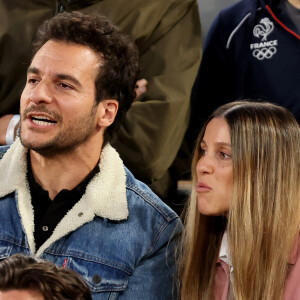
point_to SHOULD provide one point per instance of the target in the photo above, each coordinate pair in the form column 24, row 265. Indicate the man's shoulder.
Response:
column 232, row 24
column 140, row 196
column 238, row 10
column 234, row 15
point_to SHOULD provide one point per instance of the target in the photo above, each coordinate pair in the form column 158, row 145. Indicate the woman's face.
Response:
column 214, row 170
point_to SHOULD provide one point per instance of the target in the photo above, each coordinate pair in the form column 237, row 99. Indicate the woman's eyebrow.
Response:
column 223, row 144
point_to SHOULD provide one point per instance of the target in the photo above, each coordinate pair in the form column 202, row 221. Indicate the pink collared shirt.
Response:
column 292, row 286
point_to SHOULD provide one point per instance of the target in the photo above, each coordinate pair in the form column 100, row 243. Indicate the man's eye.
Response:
column 65, row 86
column 32, row 81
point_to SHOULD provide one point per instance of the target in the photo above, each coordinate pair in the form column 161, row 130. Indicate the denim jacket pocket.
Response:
column 105, row 278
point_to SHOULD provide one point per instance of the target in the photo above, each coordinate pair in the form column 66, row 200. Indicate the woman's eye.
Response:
column 225, row 155
column 203, row 151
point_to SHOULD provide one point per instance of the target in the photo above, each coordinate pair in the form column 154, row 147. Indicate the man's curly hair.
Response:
column 119, row 72
column 20, row 272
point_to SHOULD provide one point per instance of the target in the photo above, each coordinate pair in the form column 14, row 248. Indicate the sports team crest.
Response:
column 265, row 49
column 263, row 29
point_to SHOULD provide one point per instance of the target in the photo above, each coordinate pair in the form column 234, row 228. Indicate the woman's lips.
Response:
column 203, row 187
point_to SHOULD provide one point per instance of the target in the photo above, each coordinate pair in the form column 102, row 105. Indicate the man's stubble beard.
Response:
column 68, row 138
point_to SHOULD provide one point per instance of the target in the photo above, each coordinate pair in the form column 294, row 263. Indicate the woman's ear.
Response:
column 107, row 111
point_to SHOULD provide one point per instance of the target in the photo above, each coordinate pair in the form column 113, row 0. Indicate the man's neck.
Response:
column 64, row 171
column 295, row 3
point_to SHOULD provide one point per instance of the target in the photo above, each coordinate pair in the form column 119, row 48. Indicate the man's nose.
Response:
column 41, row 93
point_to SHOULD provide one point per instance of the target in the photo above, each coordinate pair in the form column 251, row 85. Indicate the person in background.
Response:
column 28, row 278
column 252, row 51
column 241, row 238
column 65, row 194
column 167, row 34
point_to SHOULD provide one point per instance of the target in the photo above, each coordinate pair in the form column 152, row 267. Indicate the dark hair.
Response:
column 54, row 283
column 118, row 75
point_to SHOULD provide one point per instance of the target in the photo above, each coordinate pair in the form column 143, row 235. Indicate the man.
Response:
column 167, row 34
column 252, row 51
column 65, row 194
column 27, row 278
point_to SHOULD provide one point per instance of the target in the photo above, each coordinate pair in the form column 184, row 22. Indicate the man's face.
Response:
column 21, row 295
column 58, row 110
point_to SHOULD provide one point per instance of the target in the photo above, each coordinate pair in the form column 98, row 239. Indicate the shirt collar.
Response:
column 225, row 256
column 76, row 192
column 224, row 253
column 105, row 195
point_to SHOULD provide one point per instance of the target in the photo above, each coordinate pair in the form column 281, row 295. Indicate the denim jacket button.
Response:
column 96, row 279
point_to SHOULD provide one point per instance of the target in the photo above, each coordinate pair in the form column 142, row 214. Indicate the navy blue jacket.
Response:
column 252, row 51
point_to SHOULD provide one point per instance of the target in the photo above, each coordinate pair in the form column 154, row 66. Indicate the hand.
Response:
column 4, row 121
column 141, row 88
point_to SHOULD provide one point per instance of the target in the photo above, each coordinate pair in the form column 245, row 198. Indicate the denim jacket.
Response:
column 119, row 237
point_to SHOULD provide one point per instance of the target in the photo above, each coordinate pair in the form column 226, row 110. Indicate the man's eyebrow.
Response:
column 33, row 70
column 70, row 78
column 36, row 71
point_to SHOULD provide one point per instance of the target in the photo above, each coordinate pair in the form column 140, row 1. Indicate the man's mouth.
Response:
column 42, row 120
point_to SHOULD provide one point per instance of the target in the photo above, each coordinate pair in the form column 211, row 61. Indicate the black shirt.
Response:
column 48, row 213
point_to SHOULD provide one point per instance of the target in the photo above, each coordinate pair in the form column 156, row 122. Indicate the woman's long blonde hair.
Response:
column 264, row 214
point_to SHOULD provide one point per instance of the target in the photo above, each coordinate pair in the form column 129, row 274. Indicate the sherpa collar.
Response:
column 105, row 195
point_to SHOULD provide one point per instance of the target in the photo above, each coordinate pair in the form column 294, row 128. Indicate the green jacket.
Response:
column 167, row 33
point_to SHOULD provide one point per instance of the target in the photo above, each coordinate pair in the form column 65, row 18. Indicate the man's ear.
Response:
column 107, row 110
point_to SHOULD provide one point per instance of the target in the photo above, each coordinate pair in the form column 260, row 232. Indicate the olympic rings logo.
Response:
column 263, row 53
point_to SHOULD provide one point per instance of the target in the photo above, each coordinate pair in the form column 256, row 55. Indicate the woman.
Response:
column 242, row 222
